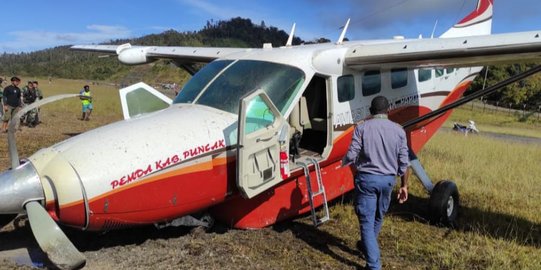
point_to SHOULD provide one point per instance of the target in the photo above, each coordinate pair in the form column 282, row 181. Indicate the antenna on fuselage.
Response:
column 341, row 38
column 289, row 42
column 434, row 29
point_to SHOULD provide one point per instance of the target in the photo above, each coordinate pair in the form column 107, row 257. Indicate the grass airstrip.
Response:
column 499, row 184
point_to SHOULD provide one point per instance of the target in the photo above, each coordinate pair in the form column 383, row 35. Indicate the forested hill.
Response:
column 62, row 63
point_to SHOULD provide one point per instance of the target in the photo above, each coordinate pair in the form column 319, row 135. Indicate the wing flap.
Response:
column 442, row 52
column 109, row 49
column 151, row 53
column 192, row 54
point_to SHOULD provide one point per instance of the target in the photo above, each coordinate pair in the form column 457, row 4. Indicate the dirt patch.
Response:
column 291, row 245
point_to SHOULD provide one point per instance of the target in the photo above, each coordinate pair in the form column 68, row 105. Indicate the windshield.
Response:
column 221, row 84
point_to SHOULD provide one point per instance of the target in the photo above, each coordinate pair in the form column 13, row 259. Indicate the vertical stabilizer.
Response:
column 478, row 22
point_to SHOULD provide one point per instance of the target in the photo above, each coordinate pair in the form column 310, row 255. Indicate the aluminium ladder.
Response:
column 319, row 192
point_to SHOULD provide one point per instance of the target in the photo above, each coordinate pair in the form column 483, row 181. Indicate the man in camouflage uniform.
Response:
column 39, row 95
column 29, row 97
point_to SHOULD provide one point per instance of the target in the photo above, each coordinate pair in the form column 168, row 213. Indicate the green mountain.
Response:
column 62, row 63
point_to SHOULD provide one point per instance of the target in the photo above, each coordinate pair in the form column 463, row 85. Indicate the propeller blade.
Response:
column 52, row 240
column 12, row 144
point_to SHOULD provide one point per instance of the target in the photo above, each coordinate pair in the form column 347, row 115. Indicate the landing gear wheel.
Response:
column 444, row 203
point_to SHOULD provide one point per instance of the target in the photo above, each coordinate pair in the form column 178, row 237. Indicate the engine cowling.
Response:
column 134, row 56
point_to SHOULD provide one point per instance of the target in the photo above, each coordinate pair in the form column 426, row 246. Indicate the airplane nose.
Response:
column 19, row 186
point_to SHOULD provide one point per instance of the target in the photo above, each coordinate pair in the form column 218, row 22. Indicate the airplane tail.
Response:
column 479, row 22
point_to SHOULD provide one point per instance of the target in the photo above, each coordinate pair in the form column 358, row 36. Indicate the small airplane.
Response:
column 255, row 137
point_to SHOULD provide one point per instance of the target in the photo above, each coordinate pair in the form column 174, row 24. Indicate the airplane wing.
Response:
column 134, row 55
column 414, row 53
column 442, row 52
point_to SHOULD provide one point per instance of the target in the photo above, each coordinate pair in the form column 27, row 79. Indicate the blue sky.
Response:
column 28, row 25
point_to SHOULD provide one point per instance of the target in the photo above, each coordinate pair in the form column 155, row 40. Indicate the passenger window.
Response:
column 346, row 88
column 371, row 82
column 439, row 72
column 399, row 77
column 450, row 70
column 424, row 74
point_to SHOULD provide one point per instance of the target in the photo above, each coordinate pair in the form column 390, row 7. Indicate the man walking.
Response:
column 379, row 152
column 12, row 102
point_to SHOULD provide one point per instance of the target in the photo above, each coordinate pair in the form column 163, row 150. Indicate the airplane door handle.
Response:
column 266, row 139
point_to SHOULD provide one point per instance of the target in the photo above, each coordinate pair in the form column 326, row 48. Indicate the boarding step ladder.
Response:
column 313, row 194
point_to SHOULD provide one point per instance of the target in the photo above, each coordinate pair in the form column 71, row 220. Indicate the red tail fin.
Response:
column 478, row 22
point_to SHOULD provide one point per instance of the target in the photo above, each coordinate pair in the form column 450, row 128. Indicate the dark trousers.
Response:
column 372, row 199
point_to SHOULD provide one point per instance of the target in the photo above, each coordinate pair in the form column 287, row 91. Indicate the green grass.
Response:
column 498, row 121
column 499, row 226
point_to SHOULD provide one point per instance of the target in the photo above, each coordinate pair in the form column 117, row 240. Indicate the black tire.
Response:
column 444, row 203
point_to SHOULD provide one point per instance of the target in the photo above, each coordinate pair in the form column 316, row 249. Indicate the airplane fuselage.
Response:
column 182, row 160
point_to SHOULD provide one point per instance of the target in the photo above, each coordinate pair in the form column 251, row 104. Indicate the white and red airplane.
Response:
column 255, row 137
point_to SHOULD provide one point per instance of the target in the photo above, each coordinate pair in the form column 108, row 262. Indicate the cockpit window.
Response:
column 200, row 80
column 223, row 90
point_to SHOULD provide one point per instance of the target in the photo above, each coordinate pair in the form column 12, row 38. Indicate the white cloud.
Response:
column 215, row 10
column 24, row 41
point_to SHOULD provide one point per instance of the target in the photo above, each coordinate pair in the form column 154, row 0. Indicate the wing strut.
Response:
column 473, row 96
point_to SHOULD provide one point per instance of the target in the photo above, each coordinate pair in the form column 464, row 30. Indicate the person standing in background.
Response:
column 86, row 100
column 12, row 100
column 1, row 94
column 29, row 97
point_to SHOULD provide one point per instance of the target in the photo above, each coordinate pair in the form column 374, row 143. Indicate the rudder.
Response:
column 478, row 22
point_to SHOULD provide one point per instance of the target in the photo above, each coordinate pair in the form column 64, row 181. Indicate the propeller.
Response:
column 12, row 144
column 52, row 240
column 21, row 186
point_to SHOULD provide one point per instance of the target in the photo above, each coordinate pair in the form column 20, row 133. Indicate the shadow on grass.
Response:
column 22, row 245
column 94, row 241
column 71, row 134
column 22, row 237
column 320, row 240
column 495, row 225
column 525, row 116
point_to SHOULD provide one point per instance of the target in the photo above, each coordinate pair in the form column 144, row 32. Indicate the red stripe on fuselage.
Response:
column 161, row 197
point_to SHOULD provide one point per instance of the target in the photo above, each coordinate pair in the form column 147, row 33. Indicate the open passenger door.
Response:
column 261, row 137
column 140, row 98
